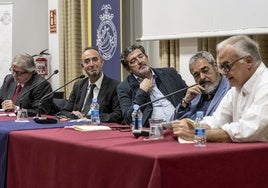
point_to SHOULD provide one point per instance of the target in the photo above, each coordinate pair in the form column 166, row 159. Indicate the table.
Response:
column 7, row 124
column 66, row 158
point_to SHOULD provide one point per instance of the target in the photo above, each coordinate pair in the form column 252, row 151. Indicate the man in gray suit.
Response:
column 16, row 86
column 145, row 84
column 207, row 96
column 104, row 90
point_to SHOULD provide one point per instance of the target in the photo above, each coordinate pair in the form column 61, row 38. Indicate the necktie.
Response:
column 16, row 93
column 88, row 99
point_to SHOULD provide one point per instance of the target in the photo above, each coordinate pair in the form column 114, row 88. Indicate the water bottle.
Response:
column 95, row 113
column 200, row 139
column 136, row 118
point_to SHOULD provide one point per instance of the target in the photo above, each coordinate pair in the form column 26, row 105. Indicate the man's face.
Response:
column 92, row 63
column 234, row 67
column 201, row 69
column 20, row 75
column 138, row 63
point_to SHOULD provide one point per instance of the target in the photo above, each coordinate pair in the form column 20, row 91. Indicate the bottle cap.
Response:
column 136, row 106
column 94, row 100
column 199, row 114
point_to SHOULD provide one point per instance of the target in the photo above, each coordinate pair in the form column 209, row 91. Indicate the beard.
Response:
column 210, row 88
column 142, row 72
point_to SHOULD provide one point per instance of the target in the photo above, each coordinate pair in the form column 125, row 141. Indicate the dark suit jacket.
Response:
column 109, row 106
column 129, row 92
column 30, row 100
column 190, row 111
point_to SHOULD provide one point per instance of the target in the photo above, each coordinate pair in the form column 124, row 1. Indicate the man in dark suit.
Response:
column 146, row 84
column 16, row 85
column 207, row 96
column 104, row 90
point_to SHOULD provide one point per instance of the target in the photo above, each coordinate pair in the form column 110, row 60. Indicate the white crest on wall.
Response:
column 106, row 34
column 5, row 18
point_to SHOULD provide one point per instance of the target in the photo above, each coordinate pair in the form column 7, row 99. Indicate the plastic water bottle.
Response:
column 200, row 139
column 95, row 113
column 136, row 118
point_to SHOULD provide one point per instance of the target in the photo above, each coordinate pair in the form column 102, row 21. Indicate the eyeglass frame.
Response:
column 18, row 73
column 228, row 66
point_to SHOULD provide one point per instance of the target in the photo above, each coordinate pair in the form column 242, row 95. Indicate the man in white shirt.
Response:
column 242, row 114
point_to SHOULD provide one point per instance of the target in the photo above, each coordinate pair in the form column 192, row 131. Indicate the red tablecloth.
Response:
column 65, row 158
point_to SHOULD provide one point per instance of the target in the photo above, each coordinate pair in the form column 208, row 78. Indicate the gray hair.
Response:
column 202, row 55
column 243, row 45
column 25, row 61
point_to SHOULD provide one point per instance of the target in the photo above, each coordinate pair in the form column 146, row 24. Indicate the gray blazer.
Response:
column 108, row 100
column 30, row 100
column 129, row 93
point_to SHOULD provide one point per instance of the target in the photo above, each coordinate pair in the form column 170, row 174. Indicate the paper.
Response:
column 80, row 120
column 8, row 114
column 182, row 141
column 89, row 127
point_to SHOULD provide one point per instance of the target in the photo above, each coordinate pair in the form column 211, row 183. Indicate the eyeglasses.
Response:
column 226, row 66
column 18, row 73
column 135, row 59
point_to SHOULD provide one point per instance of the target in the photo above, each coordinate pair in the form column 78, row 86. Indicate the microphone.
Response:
column 146, row 132
column 173, row 93
column 46, row 120
column 34, row 86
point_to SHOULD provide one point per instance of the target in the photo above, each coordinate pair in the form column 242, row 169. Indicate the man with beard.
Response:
column 242, row 113
column 103, row 88
column 145, row 84
column 205, row 97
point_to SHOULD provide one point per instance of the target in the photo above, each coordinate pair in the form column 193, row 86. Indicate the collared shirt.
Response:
column 98, row 85
column 243, row 113
column 162, row 109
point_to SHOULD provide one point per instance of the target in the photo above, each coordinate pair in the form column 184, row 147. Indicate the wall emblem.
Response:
column 106, row 34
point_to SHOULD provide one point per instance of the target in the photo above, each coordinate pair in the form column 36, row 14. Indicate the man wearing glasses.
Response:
column 145, row 84
column 242, row 114
column 14, row 91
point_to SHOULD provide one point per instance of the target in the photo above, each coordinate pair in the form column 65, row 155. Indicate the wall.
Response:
column 53, row 45
column 30, row 26
column 5, row 38
column 30, row 32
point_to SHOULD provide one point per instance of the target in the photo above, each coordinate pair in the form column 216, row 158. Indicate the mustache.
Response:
column 202, row 82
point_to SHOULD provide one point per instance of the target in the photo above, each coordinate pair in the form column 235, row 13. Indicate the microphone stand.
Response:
column 170, row 94
column 46, row 120
column 34, row 86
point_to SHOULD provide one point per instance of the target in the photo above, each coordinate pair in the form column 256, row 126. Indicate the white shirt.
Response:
column 96, row 90
column 98, row 85
column 162, row 109
column 243, row 113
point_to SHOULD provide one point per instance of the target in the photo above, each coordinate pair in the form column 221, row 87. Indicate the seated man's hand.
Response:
column 146, row 85
column 78, row 114
column 8, row 105
column 192, row 92
column 183, row 129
